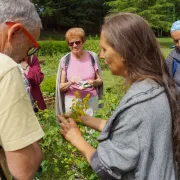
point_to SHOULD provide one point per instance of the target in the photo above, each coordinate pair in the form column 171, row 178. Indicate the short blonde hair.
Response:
column 74, row 33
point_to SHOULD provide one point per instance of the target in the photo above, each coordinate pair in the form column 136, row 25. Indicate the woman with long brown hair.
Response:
column 141, row 140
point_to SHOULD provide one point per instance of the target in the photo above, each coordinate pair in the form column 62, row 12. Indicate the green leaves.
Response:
column 69, row 13
column 159, row 13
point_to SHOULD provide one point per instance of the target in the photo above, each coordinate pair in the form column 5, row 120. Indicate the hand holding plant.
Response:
column 69, row 130
column 79, row 107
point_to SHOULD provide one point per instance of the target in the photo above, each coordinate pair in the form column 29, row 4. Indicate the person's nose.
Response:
column 178, row 43
column 74, row 44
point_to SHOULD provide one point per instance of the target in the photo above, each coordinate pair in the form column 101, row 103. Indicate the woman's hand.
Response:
column 75, row 79
column 69, row 130
column 91, row 82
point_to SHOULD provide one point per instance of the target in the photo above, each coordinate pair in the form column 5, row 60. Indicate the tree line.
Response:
column 89, row 14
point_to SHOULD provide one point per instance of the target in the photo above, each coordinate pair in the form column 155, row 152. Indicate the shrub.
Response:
column 48, row 86
column 92, row 45
column 61, row 159
column 49, row 48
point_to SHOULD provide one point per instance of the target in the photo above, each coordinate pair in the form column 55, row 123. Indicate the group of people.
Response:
column 141, row 140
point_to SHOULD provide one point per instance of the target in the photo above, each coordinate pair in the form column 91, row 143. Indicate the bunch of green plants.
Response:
column 92, row 45
column 61, row 159
column 49, row 68
column 52, row 146
column 49, row 48
column 79, row 106
column 49, row 85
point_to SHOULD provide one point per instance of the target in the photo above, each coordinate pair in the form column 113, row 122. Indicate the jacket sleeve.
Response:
column 169, row 63
column 34, row 75
column 118, row 153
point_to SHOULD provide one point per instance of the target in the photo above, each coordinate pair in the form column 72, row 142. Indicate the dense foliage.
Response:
column 159, row 13
column 89, row 14
column 62, row 14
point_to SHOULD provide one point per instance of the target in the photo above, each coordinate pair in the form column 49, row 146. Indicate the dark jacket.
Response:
column 35, row 77
column 169, row 61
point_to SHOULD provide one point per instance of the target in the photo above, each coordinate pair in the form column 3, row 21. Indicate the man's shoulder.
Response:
column 175, row 53
column 6, row 64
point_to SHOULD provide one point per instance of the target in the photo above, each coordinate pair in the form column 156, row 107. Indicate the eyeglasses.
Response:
column 36, row 47
column 75, row 42
column 176, row 41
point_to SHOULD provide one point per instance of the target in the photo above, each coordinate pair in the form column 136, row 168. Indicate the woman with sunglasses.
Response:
column 141, row 140
column 79, row 71
column 173, row 60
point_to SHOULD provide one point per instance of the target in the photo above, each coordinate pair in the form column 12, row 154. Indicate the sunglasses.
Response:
column 177, row 40
column 77, row 43
column 36, row 47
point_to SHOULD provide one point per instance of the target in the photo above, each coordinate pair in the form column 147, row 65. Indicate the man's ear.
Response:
column 13, row 30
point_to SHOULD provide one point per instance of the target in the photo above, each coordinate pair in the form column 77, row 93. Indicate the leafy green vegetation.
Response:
column 58, row 16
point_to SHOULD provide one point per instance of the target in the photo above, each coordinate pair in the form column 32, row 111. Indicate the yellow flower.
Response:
column 77, row 94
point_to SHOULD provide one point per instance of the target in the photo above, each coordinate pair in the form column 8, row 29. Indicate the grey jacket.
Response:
column 136, row 143
column 169, row 61
column 59, row 100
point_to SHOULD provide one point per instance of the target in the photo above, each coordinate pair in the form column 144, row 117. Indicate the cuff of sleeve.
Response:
column 95, row 163
column 24, row 141
column 102, row 171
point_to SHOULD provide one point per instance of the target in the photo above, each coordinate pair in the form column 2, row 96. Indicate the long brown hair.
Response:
column 131, row 36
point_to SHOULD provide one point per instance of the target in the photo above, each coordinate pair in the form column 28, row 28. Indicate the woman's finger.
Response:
column 62, row 125
column 72, row 123
column 62, row 119
column 63, row 132
column 68, row 114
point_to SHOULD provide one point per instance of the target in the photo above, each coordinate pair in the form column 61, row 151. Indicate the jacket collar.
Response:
column 138, row 92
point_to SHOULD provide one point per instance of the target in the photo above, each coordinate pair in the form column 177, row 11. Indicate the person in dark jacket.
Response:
column 173, row 60
column 141, row 139
column 34, row 75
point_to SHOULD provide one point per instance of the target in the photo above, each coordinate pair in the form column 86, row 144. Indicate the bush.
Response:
column 165, row 42
column 61, row 159
column 49, row 48
column 92, row 45
column 48, row 86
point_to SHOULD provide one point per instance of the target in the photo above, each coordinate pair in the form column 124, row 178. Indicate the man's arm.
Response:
column 24, row 163
column 19, row 128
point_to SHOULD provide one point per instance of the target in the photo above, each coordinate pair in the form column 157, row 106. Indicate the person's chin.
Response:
column 76, row 50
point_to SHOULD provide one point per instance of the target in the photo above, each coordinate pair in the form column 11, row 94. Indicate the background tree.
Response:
column 159, row 13
column 64, row 14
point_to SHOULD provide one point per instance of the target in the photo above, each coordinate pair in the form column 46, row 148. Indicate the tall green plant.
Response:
column 159, row 13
